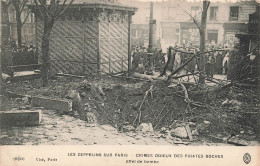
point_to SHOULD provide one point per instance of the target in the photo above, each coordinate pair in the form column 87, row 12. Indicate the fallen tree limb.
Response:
column 186, row 95
column 176, row 77
column 182, row 66
column 148, row 77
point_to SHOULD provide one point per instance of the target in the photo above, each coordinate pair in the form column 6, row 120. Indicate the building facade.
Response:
column 174, row 24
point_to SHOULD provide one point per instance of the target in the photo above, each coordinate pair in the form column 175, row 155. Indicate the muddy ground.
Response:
column 119, row 102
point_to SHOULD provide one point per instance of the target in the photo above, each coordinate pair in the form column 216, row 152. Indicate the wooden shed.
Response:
column 90, row 38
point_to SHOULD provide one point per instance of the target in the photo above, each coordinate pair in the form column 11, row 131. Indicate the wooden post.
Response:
column 129, row 42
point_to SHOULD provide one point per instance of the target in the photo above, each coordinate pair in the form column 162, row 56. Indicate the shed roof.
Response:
column 101, row 4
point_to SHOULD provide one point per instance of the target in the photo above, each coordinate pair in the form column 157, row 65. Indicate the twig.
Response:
column 187, row 127
column 162, row 118
column 140, row 111
column 187, row 99
column 161, row 111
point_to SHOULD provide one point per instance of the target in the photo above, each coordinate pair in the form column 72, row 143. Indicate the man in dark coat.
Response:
column 218, row 64
column 210, row 65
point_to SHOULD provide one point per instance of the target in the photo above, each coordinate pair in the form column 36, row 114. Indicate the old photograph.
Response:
column 130, row 72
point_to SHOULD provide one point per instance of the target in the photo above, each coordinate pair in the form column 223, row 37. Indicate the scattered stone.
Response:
column 163, row 130
column 128, row 128
column 20, row 118
column 22, row 108
column 191, row 124
column 145, row 128
column 52, row 104
column 83, row 94
column 101, row 91
column 131, row 134
column 250, row 132
column 108, row 128
column 179, row 132
column 206, row 122
column 91, row 118
column 28, row 107
column 236, row 103
column 76, row 100
column 18, row 99
column 195, row 132
column 138, row 137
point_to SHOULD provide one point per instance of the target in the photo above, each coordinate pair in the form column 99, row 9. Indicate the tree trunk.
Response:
column 202, row 58
column 19, row 29
column 202, row 42
column 48, row 24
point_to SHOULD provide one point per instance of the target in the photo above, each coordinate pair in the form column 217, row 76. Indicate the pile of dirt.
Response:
column 119, row 102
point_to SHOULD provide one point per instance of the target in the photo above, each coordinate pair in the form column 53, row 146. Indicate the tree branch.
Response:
column 23, row 4
column 16, row 5
column 45, row 8
column 26, row 17
column 193, row 19
column 57, row 6
column 208, row 6
column 62, row 7
column 62, row 11
column 37, row 5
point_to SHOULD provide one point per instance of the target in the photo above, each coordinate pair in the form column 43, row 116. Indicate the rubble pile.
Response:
column 158, row 109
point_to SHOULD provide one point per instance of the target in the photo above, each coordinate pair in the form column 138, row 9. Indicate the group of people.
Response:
column 24, row 55
column 216, row 59
column 142, row 60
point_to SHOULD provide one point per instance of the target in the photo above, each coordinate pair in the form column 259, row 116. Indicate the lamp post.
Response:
column 150, row 46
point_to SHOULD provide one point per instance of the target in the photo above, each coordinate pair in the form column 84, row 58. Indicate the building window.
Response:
column 234, row 10
column 195, row 12
column 137, row 33
column 213, row 13
column 212, row 36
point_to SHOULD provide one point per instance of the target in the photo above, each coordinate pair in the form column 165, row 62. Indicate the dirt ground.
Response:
column 56, row 129
column 121, row 102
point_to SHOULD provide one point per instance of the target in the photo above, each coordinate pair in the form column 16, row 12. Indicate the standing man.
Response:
column 210, row 65
column 218, row 64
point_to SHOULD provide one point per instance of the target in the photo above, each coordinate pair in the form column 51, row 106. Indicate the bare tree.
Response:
column 19, row 9
column 49, row 13
column 202, row 30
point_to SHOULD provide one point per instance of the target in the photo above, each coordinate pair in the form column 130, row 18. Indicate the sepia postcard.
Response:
column 130, row 82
